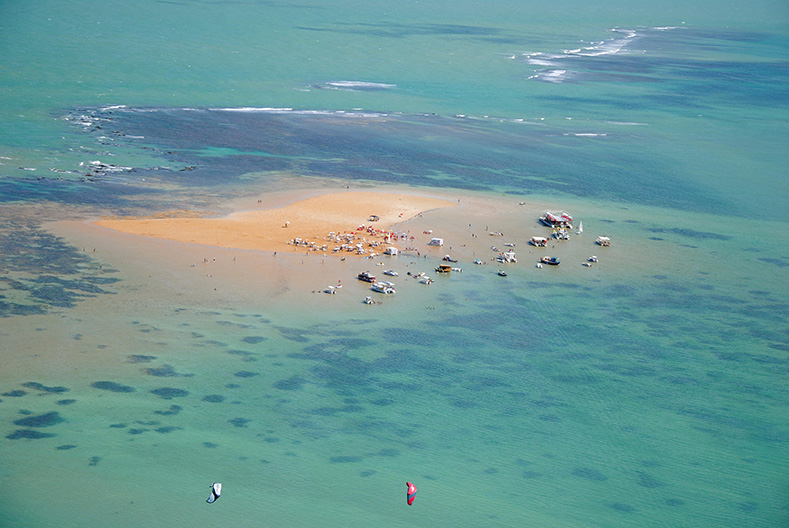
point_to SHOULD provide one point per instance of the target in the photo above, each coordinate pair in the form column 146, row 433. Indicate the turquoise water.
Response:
column 648, row 390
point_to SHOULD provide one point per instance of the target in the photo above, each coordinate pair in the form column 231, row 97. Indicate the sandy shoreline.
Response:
column 273, row 229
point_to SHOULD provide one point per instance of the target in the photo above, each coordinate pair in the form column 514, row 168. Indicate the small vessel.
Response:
column 366, row 276
column 580, row 228
column 502, row 273
column 391, row 273
column 593, row 258
column 509, row 256
column 331, row 290
column 553, row 261
column 368, row 300
column 383, row 287
column 424, row 279
column 443, row 268
column 477, row 261
column 603, row 241
column 556, row 218
column 449, row 259
column 539, row 241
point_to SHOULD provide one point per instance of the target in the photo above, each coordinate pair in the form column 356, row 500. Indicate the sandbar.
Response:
column 274, row 229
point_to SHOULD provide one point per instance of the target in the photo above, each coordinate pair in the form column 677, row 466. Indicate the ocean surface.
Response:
column 647, row 390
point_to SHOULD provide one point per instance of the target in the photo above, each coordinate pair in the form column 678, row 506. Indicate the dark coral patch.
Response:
column 239, row 422
column 213, row 398
column 30, row 434
column 112, row 386
column 648, row 481
column 252, row 340
column 165, row 371
column 43, row 388
column 246, row 374
column 18, row 393
column 65, row 447
column 137, row 358
column 293, row 383
column 42, row 420
column 65, row 402
column 169, row 393
column 165, row 430
column 173, row 410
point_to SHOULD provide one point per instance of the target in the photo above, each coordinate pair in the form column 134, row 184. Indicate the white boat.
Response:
column 382, row 287
column 603, row 241
column 556, row 219
column 539, row 241
column 368, row 300
column 580, row 228
column 391, row 273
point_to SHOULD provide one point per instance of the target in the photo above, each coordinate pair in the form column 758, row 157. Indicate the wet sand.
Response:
column 273, row 229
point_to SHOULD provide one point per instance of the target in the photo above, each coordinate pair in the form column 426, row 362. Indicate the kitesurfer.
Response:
column 216, row 491
column 411, row 494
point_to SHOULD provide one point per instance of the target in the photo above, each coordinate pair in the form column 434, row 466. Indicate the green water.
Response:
column 648, row 390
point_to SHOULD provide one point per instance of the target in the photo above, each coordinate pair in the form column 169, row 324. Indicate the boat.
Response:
column 561, row 234
column 383, row 287
column 593, row 258
column 556, row 219
column 603, row 241
column 580, row 228
column 502, row 273
column 509, row 256
column 553, row 261
column 449, row 259
column 368, row 300
column 443, row 268
column 436, row 242
column 538, row 241
column 331, row 290
column 366, row 276
column 391, row 273
column 477, row 261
